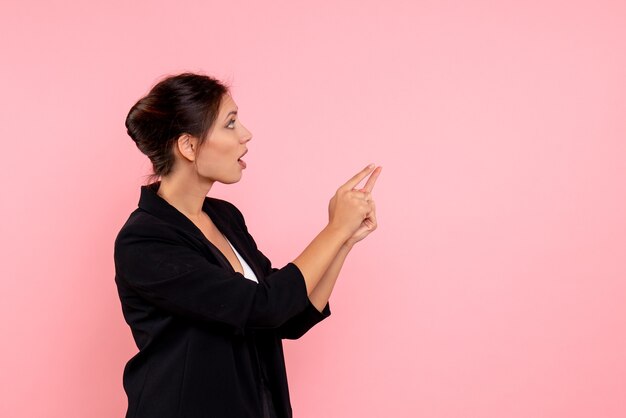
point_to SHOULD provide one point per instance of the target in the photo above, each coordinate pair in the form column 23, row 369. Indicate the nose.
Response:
column 247, row 136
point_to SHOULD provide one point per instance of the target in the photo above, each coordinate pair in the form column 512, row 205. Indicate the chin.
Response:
column 231, row 180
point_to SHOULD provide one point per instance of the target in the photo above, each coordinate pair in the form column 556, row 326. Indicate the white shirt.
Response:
column 247, row 271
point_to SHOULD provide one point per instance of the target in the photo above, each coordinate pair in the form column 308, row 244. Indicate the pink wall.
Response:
column 495, row 285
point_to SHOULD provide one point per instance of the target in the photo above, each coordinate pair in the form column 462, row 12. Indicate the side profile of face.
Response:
column 218, row 158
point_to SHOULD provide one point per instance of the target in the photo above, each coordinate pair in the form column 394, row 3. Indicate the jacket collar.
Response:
column 151, row 202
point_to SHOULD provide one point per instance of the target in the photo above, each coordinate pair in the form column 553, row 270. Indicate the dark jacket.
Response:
column 209, row 339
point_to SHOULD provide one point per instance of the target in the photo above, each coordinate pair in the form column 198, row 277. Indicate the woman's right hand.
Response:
column 348, row 208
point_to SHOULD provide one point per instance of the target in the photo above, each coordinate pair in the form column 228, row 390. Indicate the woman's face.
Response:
column 226, row 143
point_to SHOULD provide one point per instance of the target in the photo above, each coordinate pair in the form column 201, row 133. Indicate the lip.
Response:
column 241, row 162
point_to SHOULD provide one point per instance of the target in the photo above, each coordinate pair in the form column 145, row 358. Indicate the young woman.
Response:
column 206, row 308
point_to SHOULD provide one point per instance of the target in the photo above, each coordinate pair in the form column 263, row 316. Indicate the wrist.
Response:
column 347, row 246
column 339, row 232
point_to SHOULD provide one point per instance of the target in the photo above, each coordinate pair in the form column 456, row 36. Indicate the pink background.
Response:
column 495, row 285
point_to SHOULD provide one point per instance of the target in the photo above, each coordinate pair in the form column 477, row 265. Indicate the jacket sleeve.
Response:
column 298, row 325
column 157, row 263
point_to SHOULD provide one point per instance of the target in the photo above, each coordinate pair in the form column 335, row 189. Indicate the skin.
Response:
column 352, row 212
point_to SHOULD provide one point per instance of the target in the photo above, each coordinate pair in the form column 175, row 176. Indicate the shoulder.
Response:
column 141, row 224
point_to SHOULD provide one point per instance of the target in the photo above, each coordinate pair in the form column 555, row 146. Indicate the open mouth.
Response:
column 242, row 163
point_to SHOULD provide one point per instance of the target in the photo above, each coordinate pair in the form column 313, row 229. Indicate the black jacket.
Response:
column 209, row 339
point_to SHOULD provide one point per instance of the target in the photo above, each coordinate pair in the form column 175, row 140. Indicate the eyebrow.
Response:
column 232, row 112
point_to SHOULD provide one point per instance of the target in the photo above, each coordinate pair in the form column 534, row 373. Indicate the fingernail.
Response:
column 371, row 165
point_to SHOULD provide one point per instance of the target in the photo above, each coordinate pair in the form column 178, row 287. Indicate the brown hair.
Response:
column 183, row 103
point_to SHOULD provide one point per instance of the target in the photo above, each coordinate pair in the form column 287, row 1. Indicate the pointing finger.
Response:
column 372, row 179
column 350, row 184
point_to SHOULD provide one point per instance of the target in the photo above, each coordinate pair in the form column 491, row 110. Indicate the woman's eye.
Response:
column 230, row 123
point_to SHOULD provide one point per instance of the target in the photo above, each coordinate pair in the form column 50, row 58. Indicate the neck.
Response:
column 185, row 195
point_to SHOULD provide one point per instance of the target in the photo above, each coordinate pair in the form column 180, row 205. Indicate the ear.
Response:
column 188, row 146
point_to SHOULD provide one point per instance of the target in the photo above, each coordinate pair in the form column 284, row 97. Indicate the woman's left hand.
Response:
column 369, row 224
